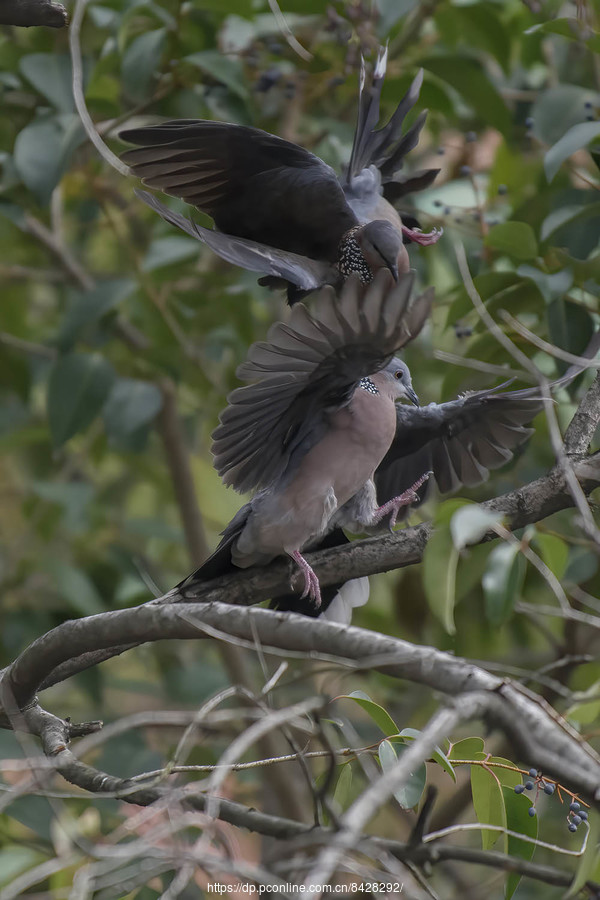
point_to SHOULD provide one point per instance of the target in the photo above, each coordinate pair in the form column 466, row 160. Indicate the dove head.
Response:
column 381, row 244
column 395, row 380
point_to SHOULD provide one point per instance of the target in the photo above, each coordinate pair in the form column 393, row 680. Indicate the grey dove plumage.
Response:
column 278, row 209
column 458, row 442
column 310, row 432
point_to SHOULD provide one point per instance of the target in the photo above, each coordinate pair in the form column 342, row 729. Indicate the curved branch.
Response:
column 546, row 742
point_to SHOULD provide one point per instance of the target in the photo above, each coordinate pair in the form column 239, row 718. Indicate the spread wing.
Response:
column 308, row 369
column 307, row 274
column 253, row 184
column 459, row 441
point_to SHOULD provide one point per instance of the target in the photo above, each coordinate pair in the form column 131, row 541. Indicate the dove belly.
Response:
column 286, row 518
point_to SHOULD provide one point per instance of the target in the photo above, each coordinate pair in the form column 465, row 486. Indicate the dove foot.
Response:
column 312, row 587
column 397, row 503
column 419, row 237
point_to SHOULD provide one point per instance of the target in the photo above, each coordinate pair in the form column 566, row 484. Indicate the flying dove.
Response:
column 280, row 210
column 309, row 434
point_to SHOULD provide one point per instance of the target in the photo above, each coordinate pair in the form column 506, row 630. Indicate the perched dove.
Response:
column 458, row 443
column 312, row 430
column 279, row 209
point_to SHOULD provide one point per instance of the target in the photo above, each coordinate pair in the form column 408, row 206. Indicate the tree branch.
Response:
column 547, row 742
column 25, row 13
column 300, row 834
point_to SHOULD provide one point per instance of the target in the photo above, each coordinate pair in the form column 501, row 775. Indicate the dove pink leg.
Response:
column 312, row 587
column 397, row 503
column 416, row 235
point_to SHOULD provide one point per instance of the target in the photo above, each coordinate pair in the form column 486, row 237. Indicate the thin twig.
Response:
column 78, row 95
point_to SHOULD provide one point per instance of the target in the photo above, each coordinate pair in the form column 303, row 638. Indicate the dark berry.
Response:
column 577, row 820
column 267, row 80
column 502, row 189
column 549, row 788
column 440, row 151
column 519, row 788
column 575, row 806
column 437, row 202
column 531, row 812
column 446, row 210
column 465, row 170
column 590, row 118
column 470, row 137
column 529, row 122
column 533, row 772
column 572, row 827
column 583, row 815
column 588, row 104
column 529, row 785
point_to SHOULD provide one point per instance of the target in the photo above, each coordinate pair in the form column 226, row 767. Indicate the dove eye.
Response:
column 398, row 374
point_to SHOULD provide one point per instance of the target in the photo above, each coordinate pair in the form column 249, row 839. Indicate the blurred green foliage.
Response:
column 102, row 304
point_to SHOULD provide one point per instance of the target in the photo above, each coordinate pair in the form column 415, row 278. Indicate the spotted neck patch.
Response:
column 351, row 260
column 367, row 385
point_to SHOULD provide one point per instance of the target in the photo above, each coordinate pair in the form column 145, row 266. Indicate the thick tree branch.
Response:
column 547, row 742
column 26, row 13
column 584, row 423
column 523, row 506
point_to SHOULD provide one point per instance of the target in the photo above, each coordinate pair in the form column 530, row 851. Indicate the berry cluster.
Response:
column 576, row 815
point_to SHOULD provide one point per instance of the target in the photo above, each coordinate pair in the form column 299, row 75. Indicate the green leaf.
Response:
column 505, row 290
column 572, row 29
column 51, row 75
column 586, row 711
column 470, row 523
column 576, row 137
column 567, row 215
column 514, row 238
column 557, row 109
column 440, row 561
column 518, row 819
column 76, row 588
column 379, row 715
column 589, row 864
column 438, row 755
column 553, row 551
column 89, row 306
column 342, row 794
column 73, row 497
column 467, row 76
column 15, row 859
column 410, row 793
column 77, row 389
column 502, row 582
column 141, row 62
column 488, row 802
column 226, row 69
column 570, row 325
column 468, row 748
column 551, row 286
column 167, row 251
column 43, row 151
column 488, row 798
column 130, row 405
